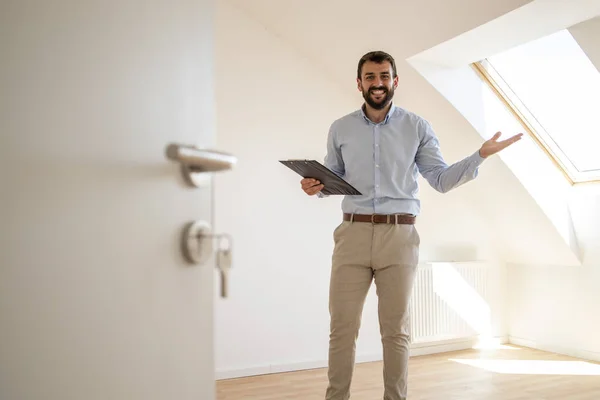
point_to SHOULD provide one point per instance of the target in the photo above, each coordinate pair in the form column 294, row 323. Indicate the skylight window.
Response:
column 551, row 85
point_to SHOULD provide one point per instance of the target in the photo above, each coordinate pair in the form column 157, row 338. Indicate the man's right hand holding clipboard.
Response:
column 311, row 186
column 316, row 178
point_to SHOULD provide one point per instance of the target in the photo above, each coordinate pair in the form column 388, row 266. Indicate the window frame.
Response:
column 501, row 89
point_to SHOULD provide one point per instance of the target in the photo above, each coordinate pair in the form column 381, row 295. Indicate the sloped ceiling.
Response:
column 587, row 35
column 334, row 33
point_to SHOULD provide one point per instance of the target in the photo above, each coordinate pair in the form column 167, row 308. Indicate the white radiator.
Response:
column 450, row 301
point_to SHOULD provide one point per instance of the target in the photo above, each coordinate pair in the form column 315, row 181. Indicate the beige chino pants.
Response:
column 387, row 254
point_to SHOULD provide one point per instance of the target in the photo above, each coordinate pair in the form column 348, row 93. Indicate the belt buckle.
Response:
column 373, row 219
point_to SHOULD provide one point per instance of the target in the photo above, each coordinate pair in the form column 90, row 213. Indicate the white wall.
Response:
column 556, row 308
column 275, row 103
column 271, row 105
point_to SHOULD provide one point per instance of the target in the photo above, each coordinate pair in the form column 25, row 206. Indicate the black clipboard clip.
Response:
column 333, row 184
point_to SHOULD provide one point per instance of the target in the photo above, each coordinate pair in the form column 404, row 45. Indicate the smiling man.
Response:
column 380, row 149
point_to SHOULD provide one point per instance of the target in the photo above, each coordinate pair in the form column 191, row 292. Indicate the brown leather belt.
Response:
column 404, row 219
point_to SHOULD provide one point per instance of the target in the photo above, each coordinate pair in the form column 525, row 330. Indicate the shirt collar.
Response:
column 385, row 120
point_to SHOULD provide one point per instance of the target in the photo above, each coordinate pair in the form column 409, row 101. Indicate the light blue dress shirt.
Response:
column 383, row 161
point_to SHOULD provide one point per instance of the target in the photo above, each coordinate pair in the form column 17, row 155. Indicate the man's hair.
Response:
column 376, row 57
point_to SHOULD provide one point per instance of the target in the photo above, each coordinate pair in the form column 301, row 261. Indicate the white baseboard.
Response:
column 553, row 348
column 269, row 369
column 442, row 346
column 417, row 349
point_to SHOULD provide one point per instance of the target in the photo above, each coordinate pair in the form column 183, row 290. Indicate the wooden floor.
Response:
column 509, row 373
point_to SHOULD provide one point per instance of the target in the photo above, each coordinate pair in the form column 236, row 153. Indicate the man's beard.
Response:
column 388, row 95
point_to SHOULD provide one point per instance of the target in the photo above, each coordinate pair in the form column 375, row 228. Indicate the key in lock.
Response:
column 224, row 261
column 197, row 246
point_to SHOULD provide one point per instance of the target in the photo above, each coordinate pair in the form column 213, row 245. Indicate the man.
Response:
column 380, row 149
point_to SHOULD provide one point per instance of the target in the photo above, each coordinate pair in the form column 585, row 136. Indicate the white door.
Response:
column 96, row 301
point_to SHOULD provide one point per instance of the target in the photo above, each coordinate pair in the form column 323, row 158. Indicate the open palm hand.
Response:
column 493, row 146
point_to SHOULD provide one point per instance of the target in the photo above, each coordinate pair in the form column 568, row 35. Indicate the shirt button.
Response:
column 377, row 165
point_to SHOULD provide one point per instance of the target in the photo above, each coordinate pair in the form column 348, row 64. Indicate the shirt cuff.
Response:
column 476, row 159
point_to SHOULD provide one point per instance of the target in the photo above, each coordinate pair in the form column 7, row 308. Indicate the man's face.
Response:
column 377, row 84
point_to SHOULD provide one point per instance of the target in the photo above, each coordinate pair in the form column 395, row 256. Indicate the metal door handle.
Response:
column 197, row 164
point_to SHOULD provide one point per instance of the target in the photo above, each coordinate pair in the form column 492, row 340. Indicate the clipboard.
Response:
column 333, row 184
